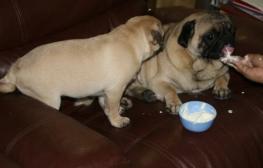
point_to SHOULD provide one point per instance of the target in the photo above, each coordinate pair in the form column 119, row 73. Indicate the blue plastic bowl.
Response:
column 196, row 106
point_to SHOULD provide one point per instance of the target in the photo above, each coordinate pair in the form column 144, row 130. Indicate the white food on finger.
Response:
column 229, row 59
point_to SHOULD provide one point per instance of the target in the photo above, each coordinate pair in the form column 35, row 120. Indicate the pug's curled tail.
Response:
column 7, row 83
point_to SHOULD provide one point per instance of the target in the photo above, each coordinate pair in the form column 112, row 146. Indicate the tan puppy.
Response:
column 190, row 61
column 99, row 66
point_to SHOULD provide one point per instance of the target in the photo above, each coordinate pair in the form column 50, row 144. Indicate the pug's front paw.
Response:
column 173, row 108
column 222, row 93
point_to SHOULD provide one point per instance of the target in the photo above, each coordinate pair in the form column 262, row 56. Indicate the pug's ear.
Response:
column 187, row 32
column 157, row 36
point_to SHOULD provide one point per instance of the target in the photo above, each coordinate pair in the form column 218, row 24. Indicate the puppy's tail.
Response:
column 7, row 83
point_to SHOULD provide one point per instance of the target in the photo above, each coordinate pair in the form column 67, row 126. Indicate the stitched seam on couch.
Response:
column 22, row 134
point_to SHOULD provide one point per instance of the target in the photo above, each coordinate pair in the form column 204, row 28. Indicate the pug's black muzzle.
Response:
column 214, row 48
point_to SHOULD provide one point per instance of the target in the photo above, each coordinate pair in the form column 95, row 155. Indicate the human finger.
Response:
column 255, row 59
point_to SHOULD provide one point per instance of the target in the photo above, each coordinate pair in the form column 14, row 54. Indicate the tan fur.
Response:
column 178, row 69
column 99, row 66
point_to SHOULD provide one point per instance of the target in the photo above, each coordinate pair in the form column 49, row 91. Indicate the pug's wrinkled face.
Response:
column 206, row 34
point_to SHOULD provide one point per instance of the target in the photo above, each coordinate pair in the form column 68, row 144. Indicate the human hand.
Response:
column 251, row 66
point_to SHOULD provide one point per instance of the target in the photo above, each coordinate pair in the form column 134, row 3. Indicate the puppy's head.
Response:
column 206, row 34
column 152, row 32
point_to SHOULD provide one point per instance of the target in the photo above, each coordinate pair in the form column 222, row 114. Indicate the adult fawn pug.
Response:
column 190, row 61
column 100, row 66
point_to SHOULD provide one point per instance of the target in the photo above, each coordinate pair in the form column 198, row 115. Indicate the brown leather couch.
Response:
column 34, row 135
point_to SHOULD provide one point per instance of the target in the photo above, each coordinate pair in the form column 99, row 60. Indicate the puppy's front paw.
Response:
column 173, row 108
column 120, row 122
column 222, row 93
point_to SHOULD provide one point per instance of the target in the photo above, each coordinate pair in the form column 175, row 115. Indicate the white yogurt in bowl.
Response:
column 197, row 116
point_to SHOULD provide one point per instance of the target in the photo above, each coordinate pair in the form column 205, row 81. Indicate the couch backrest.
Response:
column 25, row 20
column 25, row 24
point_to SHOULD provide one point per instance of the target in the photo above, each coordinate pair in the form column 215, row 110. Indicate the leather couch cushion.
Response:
column 23, row 21
column 7, row 162
column 37, row 136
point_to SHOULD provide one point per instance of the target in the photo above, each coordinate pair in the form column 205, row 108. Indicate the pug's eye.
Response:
column 232, row 29
column 210, row 36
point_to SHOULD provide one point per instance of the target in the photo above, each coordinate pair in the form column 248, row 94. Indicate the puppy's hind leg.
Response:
column 52, row 100
column 84, row 102
column 112, row 107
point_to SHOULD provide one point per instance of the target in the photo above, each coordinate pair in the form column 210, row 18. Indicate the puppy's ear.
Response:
column 187, row 32
column 157, row 37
